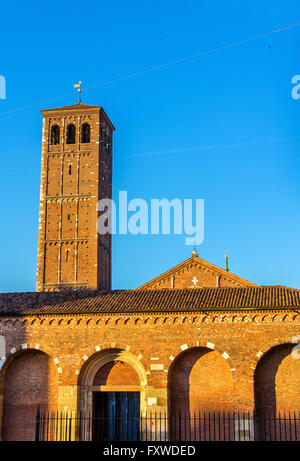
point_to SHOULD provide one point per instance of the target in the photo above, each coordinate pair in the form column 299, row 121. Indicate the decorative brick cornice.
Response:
column 192, row 318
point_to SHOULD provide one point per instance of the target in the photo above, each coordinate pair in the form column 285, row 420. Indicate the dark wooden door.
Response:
column 116, row 416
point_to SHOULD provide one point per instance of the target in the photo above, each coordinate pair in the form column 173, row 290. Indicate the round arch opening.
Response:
column 112, row 389
column 200, row 380
column 276, row 381
column 30, row 380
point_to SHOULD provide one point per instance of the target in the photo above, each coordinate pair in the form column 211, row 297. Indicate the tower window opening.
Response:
column 55, row 132
column 67, row 255
column 68, row 217
column 85, row 133
column 71, row 132
column 70, row 169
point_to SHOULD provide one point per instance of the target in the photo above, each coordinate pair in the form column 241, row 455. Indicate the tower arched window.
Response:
column 85, row 133
column 55, row 132
column 71, row 132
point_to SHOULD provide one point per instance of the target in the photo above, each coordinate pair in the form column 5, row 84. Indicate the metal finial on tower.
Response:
column 226, row 260
column 78, row 85
column 194, row 253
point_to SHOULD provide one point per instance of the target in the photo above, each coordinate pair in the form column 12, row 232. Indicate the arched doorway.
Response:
column 112, row 395
column 30, row 381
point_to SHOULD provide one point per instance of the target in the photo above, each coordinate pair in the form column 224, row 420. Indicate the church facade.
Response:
column 197, row 338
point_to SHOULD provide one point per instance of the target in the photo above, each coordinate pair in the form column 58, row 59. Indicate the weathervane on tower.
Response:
column 78, row 85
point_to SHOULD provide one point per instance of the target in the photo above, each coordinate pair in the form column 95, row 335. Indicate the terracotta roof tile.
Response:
column 135, row 301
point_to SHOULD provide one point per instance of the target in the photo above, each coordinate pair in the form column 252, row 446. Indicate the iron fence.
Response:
column 160, row 427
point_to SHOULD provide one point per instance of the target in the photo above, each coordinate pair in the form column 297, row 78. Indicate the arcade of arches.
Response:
column 163, row 376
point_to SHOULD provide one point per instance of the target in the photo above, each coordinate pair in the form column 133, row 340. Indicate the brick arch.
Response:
column 100, row 348
column 17, row 323
column 286, row 317
column 265, row 318
column 267, row 347
column 16, row 350
column 206, row 344
column 200, row 378
column 90, row 322
column 29, row 380
column 276, row 378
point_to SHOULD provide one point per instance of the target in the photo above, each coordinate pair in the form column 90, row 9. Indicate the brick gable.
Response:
column 196, row 273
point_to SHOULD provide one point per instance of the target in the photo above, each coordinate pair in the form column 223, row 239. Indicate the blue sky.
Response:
column 222, row 126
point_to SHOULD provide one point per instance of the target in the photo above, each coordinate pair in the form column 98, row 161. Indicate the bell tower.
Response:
column 76, row 173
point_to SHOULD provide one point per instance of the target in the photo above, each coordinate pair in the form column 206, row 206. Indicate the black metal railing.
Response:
column 160, row 427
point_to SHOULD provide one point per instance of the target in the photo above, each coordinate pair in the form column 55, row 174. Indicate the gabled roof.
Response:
column 201, row 262
column 150, row 301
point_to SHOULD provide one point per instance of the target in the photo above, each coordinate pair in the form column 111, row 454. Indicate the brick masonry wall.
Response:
column 230, row 366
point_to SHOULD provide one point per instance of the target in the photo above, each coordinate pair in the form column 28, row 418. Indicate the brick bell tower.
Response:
column 76, row 173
